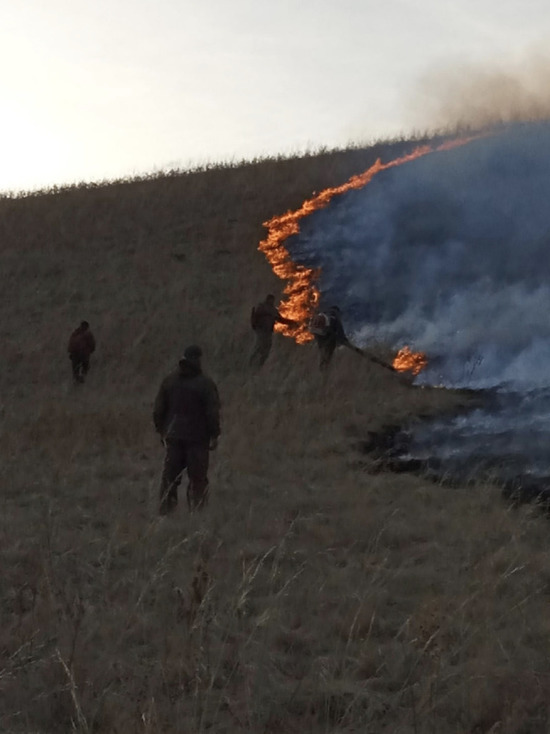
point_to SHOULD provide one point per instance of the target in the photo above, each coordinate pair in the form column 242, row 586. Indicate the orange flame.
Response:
column 301, row 291
column 407, row 361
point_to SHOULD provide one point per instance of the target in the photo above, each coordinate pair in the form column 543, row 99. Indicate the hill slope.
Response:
column 313, row 594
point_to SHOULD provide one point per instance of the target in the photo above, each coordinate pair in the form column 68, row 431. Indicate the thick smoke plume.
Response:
column 451, row 254
column 471, row 96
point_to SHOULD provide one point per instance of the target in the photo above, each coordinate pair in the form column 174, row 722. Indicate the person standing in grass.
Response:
column 263, row 318
column 186, row 414
column 81, row 347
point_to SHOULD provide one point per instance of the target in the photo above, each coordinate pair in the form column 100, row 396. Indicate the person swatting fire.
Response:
column 329, row 333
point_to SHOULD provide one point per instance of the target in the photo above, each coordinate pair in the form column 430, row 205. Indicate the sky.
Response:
column 102, row 89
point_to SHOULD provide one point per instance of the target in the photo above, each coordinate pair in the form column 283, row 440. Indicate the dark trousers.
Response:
column 262, row 348
column 327, row 347
column 181, row 455
column 80, row 366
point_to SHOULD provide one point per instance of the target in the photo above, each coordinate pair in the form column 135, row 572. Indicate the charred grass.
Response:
column 312, row 595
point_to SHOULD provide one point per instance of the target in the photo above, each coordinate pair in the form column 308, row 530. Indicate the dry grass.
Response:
column 312, row 595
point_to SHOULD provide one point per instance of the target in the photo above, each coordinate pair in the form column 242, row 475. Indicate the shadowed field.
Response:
column 313, row 595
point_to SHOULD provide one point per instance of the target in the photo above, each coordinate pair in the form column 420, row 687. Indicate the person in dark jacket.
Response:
column 81, row 347
column 187, row 417
column 263, row 318
column 335, row 336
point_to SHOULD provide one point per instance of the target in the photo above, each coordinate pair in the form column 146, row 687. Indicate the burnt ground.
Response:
column 389, row 450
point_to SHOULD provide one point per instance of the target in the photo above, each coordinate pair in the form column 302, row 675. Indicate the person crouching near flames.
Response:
column 187, row 416
column 263, row 318
column 81, row 347
column 328, row 330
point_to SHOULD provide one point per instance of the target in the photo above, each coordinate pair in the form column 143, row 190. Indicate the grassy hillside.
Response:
column 314, row 594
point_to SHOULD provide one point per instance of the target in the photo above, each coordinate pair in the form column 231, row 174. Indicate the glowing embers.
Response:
column 407, row 361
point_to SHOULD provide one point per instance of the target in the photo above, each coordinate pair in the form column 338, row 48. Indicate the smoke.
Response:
column 481, row 96
column 450, row 254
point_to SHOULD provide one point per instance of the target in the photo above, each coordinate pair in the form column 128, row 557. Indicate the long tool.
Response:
column 371, row 357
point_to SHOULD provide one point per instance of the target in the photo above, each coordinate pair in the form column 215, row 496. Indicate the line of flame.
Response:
column 301, row 291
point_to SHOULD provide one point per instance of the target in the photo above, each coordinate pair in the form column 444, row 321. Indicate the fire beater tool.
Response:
column 372, row 358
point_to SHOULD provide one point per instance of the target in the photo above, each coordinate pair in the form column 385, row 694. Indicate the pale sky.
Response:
column 95, row 89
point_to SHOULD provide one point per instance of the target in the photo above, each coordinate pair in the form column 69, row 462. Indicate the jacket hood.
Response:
column 188, row 368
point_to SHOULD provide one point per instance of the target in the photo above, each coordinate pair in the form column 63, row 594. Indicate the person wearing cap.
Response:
column 186, row 414
column 81, row 347
column 263, row 318
column 334, row 336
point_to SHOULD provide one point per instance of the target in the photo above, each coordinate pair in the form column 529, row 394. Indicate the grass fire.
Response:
column 407, row 361
column 301, row 292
